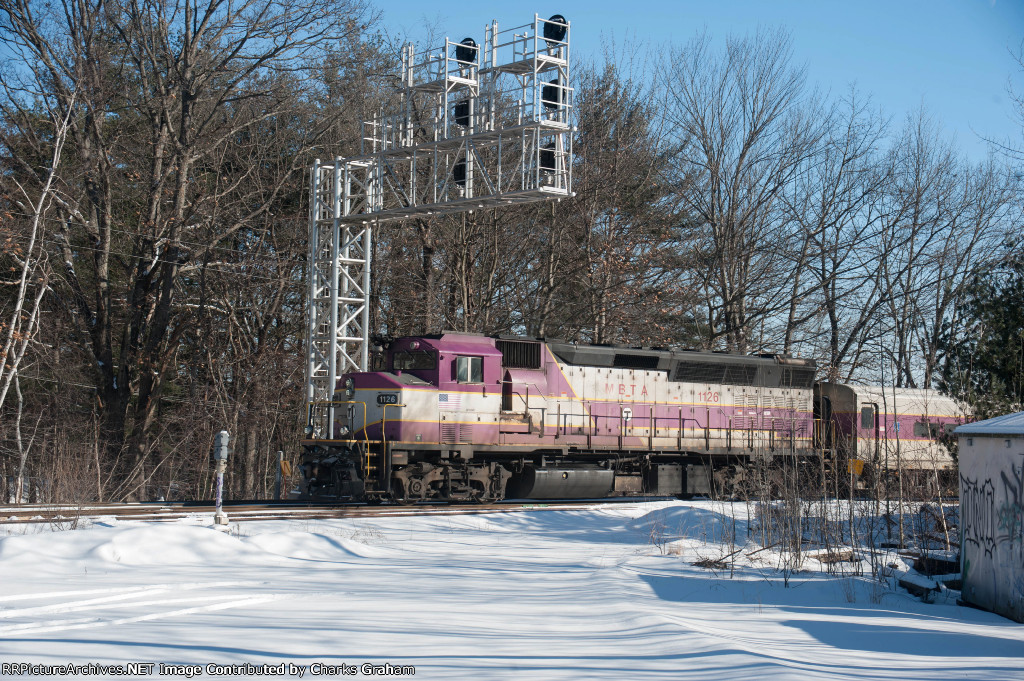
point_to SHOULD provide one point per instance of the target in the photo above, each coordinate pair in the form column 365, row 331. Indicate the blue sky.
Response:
column 952, row 56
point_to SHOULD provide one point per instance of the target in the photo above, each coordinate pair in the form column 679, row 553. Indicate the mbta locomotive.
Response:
column 459, row 416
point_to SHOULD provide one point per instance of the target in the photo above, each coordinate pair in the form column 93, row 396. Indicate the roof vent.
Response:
column 624, row 361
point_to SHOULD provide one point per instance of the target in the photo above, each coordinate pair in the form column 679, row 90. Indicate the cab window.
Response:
column 411, row 360
column 469, row 369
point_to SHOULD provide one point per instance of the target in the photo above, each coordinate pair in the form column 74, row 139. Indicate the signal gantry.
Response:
column 471, row 128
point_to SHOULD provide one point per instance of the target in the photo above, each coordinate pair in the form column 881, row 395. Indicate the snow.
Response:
column 602, row 592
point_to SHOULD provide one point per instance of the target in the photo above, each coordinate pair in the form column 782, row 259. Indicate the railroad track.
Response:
column 243, row 511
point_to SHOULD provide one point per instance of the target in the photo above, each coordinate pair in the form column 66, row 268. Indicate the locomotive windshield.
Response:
column 412, row 360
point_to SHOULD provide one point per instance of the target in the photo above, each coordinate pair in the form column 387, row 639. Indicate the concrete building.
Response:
column 992, row 514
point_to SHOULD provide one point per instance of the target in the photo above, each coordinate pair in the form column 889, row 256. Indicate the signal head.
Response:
column 466, row 51
column 555, row 29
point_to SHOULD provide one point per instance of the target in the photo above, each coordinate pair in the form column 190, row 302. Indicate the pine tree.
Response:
column 984, row 354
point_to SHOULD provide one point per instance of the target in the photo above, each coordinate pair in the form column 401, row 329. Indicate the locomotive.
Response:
column 459, row 416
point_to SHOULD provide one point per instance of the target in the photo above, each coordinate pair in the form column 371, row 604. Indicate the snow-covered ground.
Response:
column 602, row 592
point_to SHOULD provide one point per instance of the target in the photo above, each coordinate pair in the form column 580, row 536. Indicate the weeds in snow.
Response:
column 368, row 535
column 657, row 534
column 364, row 534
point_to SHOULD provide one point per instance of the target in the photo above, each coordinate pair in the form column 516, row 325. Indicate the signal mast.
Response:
column 499, row 133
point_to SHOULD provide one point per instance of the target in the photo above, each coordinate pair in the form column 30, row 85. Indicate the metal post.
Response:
column 312, row 311
column 220, row 456
column 364, row 356
column 333, row 370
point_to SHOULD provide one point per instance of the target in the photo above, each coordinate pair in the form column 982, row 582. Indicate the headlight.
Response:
column 350, row 388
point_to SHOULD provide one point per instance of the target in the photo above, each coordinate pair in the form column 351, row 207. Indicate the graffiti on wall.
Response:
column 1011, row 511
column 978, row 510
column 992, row 527
column 994, row 515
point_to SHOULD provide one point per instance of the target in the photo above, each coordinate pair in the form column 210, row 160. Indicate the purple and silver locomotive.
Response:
column 459, row 416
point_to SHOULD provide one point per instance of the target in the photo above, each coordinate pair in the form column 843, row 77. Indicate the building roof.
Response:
column 1007, row 424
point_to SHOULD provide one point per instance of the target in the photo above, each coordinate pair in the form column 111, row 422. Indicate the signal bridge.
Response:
column 474, row 127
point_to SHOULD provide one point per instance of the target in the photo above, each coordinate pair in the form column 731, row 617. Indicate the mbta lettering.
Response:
column 625, row 390
column 630, row 390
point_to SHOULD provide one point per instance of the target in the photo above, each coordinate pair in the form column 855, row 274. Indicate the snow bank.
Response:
column 149, row 545
column 595, row 593
column 311, row 546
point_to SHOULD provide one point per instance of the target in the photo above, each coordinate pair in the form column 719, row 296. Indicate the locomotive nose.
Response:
column 345, row 398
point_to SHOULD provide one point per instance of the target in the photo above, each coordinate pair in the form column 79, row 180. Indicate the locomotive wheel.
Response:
column 416, row 489
column 408, row 491
column 398, row 494
column 477, row 493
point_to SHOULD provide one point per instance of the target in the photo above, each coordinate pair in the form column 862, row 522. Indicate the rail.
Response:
column 64, row 516
column 774, row 431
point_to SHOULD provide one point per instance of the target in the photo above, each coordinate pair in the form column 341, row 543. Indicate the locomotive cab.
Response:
column 433, row 396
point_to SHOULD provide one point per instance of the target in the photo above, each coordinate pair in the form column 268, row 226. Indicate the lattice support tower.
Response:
column 473, row 127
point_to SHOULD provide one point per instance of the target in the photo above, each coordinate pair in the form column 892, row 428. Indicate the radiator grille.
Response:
column 519, row 354
column 449, row 433
column 798, row 377
column 698, row 372
column 711, row 372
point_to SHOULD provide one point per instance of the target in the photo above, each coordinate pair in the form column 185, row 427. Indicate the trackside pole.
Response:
column 277, row 478
column 220, row 457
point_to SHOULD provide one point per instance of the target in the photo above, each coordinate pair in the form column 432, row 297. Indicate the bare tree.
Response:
column 25, row 251
column 979, row 225
column 835, row 209
column 1013, row 149
column 947, row 220
column 28, row 253
column 743, row 134
column 162, row 91
column 597, row 267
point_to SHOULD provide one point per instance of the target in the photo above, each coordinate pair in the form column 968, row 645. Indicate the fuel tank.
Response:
column 560, row 483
